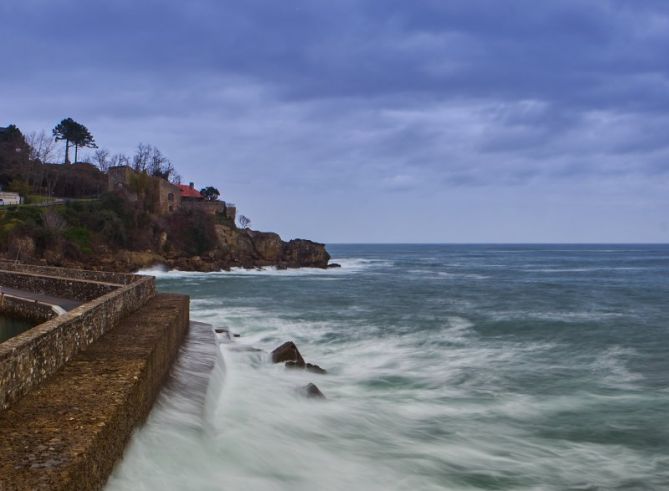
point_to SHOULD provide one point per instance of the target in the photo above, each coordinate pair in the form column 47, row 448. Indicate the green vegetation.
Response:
column 73, row 133
column 91, row 225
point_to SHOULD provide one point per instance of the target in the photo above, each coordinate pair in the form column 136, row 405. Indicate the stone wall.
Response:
column 20, row 308
column 228, row 210
column 31, row 357
column 169, row 196
column 68, row 434
column 56, row 286
column 75, row 274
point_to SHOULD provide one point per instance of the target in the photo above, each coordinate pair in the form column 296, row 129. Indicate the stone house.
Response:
column 167, row 197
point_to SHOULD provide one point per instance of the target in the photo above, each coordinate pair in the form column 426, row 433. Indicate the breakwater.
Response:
column 73, row 387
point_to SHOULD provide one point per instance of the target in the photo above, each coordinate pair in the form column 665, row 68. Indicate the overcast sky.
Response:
column 371, row 120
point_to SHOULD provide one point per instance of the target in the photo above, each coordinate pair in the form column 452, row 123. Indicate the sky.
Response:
column 371, row 120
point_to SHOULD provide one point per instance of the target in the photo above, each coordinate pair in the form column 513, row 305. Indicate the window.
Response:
column 170, row 197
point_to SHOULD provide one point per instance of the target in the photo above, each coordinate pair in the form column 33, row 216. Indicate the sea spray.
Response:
column 449, row 367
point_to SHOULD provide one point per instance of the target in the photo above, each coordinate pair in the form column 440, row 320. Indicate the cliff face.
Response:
column 252, row 248
column 117, row 234
column 236, row 248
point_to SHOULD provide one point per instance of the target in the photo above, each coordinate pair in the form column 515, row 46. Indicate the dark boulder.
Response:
column 310, row 391
column 288, row 352
column 334, row 265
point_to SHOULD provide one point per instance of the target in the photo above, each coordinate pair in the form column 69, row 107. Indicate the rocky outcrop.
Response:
column 305, row 253
column 251, row 248
column 287, row 352
column 311, row 391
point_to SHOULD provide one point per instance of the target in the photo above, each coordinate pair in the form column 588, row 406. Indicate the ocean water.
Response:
column 463, row 367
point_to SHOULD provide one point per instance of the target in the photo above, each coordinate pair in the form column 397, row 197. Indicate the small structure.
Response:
column 167, row 197
column 9, row 198
column 189, row 193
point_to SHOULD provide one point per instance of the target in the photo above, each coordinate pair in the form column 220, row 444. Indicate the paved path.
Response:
column 63, row 303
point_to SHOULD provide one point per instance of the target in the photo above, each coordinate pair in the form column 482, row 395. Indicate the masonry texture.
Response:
column 74, row 274
column 28, row 310
column 31, row 357
column 68, row 433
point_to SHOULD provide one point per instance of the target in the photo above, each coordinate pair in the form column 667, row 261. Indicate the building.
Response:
column 9, row 198
column 167, row 197
column 189, row 193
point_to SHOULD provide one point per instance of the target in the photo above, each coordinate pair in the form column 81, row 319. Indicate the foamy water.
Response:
column 450, row 367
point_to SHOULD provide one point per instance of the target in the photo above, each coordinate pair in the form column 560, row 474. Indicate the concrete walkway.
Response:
column 63, row 303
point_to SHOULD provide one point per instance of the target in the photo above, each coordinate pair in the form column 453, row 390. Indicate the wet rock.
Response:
column 288, row 352
column 315, row 369
column 334, row 265
column 308, row 367
column 311, row 391
column 220, row 330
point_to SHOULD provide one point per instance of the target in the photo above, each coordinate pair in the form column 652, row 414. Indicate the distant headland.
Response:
column 123, row 213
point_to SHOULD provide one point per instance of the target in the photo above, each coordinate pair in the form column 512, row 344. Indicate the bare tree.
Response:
column 142, row 157
column 42, row 146
column 101, row 158
column 150, row 160
column 119, row 159
column 244, row 221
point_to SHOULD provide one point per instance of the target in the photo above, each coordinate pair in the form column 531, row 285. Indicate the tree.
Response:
column 83, row 139
column 150, row 160
column 102, row 159
column 42, row 147
column 244, row 221
column 210, row 193
column 74, row 134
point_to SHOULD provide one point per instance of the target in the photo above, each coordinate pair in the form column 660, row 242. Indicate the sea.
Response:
column 449, row 367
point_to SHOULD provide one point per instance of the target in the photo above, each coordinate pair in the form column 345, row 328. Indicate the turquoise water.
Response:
column 10, row 327
column 450, row 367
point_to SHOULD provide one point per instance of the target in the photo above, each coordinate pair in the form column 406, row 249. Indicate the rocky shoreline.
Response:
column 243, row 248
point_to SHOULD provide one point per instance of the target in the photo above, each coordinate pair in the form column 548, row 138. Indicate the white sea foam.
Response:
column 348, row 265
column 428, row 394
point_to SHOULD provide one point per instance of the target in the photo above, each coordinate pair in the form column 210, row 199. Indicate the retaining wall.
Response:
column 67, row 434
column 30, row 358
column 82, row 290
column 75, row 274
column 29, row 310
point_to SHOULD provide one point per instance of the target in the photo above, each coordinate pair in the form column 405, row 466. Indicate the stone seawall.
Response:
column 35, row 312
column 30, row 358
column 75, row 274
column 57, row 286
column 67, row 434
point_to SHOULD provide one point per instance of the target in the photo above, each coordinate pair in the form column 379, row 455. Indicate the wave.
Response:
column 348, row 265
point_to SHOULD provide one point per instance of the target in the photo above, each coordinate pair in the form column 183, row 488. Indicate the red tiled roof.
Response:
column 189, row 192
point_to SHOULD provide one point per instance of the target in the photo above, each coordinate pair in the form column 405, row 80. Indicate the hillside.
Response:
column 124, row 219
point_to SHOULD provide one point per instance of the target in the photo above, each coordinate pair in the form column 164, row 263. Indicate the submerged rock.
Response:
column 315, row 369
column 308, row 367
column 334, row 265
column 288, row 352
column 311, row 391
